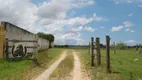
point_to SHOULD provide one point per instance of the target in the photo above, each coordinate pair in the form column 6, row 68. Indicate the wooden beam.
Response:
column 2, row 40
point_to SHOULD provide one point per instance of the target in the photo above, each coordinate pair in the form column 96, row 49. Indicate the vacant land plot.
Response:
column 125, row 64
column 26, row 69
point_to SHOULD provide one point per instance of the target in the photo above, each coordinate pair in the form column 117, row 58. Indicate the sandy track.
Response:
column 77, row 72
column 46, row 74
column 77, row 69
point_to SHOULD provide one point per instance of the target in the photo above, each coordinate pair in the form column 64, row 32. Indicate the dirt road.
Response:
column 77, row 70
column 46, row 74
column 77, row 73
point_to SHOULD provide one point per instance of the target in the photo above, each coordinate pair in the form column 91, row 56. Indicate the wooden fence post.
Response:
column 114, row 48
column 98, row 51
column 92, row 52
column 2, row 40
column 108, row 54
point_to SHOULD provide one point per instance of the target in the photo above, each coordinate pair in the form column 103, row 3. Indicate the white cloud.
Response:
column 132, row 31
column 140, row 5
column 74, row 21
column 126, row 1
column 54, row 9
column 89, row 29
column 78, row 20
column 80, row 28
column 130, row 41
column 129, row 1
column 70, row 36
column 102, row 27
column 130, row 14
column 86, row 28
column 119, row 28
column 129, row 30
column 116, row 1
column 128, row 24
column 18, row 12
column 97, row 18
column 82, row 3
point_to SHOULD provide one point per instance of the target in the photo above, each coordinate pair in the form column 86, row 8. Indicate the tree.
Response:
column 48, row 37
column 121, row 46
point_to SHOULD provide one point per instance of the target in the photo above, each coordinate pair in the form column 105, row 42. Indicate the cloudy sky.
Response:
column 75, row 21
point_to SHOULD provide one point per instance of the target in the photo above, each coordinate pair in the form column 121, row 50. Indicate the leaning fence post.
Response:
column 92, row 51
column 108, row 54
column 98, row 51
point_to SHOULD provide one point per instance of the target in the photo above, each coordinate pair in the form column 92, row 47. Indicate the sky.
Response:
column 76, row 21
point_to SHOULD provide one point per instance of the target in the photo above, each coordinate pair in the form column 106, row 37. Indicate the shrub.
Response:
column 121, row 46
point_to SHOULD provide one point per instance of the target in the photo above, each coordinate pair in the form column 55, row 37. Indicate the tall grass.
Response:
column 124, row 63
column 12, row 69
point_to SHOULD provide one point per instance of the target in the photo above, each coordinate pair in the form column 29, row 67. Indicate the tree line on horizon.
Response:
column 119, row 46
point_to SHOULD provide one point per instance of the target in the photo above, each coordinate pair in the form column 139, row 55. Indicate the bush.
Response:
column 121, row 46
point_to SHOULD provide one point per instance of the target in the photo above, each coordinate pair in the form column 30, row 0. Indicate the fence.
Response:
column 94, row 50
column 16, row 42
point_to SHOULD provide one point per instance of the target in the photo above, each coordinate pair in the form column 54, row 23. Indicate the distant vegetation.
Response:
column 121, row 46
column 48, row 37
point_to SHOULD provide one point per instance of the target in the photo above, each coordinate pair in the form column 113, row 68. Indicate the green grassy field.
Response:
column 122, row 64
column 26, row 69
column 64, row 69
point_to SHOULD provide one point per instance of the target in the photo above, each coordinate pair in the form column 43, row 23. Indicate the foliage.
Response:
column 121, row 46
column 48, row 37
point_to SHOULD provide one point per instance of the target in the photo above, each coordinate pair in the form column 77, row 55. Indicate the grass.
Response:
column 122, row 64
column 63, row 71
column 11, row 69
column 26, row 69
